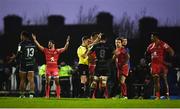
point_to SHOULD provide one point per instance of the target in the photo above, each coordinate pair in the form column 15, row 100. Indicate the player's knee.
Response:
column 122, row 82
column 94, row 84
column 104, row 84
column 95, row 78
column 103, row 81
column 48, row 82
column 83, row 79
column 31, row 79
column 164, row 75
column 122, row 79
column 156, row 78
column 57, row 82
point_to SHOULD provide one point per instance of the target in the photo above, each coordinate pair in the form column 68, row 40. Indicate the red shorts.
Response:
column 157, row 68
column 52, row 72
column 122, row 70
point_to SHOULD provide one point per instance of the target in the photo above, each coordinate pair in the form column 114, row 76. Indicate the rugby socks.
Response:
column 58, row 90
column 47, row 90
column 157, row 86
column 106, row 92
column 87, row 90
column 102, row 90
column 167, row 87
column 82, row 90
column 123, row 89
column 94, row 93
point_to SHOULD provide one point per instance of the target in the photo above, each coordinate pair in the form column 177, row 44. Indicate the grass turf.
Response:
column 11, row 102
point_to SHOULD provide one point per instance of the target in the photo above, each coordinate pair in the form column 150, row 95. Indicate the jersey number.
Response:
column 30, row 52
column 102, row 53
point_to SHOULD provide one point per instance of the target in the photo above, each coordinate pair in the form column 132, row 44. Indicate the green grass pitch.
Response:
column 14, row 102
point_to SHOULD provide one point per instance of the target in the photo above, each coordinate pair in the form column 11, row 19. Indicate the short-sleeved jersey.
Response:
column 26, row 53
column 104, row 54
column 80, row 51
column 121, row 56
column 52, row 56
column 157, row 51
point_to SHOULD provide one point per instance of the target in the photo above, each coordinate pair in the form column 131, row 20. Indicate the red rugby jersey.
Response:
column 52, row 56
column 121, row 56
column 157, row 51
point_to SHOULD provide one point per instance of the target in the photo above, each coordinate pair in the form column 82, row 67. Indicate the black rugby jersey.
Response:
column 104, row 53
column 26, row 52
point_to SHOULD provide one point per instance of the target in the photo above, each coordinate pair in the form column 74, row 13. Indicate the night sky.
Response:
column 34, row 9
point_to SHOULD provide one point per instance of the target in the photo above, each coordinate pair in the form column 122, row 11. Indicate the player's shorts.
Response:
column 157, row 68
column 52, row 72
column 101, row 71
column 83, row 69
column 26, row 68
column 103, row 68
column 122, row 70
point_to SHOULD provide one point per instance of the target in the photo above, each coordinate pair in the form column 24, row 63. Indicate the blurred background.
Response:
column 56, row 19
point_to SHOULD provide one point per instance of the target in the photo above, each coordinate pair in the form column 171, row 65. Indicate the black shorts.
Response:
column 26, row 68
column 103, row 68
column 101, row 72
column 83, row 69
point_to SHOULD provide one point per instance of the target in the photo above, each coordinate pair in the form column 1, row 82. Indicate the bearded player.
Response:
column 52, row 56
